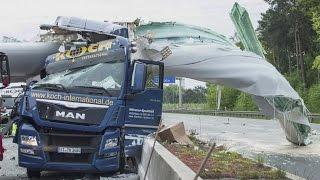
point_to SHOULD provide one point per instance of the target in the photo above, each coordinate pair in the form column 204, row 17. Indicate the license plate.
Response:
column 69, row 150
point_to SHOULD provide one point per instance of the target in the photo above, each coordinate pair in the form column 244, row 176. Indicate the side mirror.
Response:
column 139, row 77
column 4, row 70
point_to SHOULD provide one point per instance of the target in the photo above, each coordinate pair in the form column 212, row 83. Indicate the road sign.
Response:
column 166, row 79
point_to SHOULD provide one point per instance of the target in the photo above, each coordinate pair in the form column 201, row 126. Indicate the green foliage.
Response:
column 312, row 9
column 316, row 23
column 295, row 81
column 316, row 63
column 196, row 95
column 245, row 103
column 211, row 96
column 313, row 101
column 189, row 96
column 171, row 94
column 286, row 24
column 228, row 97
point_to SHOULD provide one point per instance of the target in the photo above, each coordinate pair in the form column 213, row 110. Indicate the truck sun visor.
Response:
column 105, row 51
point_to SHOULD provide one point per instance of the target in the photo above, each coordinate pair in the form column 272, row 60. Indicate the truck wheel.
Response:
column 33, row 173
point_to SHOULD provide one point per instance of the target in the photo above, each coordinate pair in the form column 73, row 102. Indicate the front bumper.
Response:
column 93, row 158
column 39, row 163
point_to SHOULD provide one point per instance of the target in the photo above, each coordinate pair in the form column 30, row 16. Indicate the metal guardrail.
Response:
column 243, row 114
column 240, row 114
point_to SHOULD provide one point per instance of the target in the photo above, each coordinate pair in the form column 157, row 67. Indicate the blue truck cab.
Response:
column 90, row 111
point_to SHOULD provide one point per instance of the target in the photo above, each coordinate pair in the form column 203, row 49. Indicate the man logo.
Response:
column 70, row 115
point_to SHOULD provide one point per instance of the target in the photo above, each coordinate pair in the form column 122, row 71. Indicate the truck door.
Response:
column 144, row 108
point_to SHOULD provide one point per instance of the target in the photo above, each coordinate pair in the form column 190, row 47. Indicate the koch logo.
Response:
column 70, row 115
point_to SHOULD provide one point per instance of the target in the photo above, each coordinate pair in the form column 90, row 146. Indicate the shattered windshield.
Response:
column 102, row 78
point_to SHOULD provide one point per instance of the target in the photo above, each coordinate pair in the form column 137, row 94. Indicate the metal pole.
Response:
column 218, row 97
column 180, row 92
column 152, row 150
column 203, row 163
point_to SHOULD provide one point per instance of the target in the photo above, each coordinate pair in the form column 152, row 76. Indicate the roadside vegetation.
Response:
column 222, row 163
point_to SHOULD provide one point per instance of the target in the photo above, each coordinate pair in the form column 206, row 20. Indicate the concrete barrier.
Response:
column 164, row 165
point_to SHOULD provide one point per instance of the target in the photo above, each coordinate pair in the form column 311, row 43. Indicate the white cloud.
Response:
column 21, row 18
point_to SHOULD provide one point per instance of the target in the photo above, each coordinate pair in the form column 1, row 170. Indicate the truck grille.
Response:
column 71, row 158
column 89, row 144
column 89, row 116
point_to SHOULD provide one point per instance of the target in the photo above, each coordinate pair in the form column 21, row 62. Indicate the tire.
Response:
column 33, row 173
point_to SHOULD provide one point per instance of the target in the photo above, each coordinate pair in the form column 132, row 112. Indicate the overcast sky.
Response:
column 21, row 18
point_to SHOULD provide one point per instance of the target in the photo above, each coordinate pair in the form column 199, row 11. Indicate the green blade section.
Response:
column 245, row 31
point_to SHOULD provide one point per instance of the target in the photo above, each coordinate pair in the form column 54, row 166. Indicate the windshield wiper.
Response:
column 52, row 86
column 95, row 88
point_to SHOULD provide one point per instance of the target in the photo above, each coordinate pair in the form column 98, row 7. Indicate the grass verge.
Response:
column 222, row 163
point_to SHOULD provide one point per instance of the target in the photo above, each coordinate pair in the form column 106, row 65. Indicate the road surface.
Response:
column 255, row 138
column 248, row 136
column 9, row 169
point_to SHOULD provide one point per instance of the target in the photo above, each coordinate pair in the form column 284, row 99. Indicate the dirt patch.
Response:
column 222, row 163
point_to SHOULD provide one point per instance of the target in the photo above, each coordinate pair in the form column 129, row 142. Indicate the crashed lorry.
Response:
column 91, row 109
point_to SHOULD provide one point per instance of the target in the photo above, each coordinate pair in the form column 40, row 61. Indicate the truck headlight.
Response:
column 110, row 143
column 28, row 140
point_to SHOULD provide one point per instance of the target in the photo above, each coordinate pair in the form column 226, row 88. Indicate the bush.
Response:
column 171, row 94
column 245, row 103
column 313, row 101
column 195, row 95
column 228, row 97
column 211, row 96
column 296, row 82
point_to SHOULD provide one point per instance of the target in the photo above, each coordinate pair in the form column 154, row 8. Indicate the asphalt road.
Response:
column 9, row 169
column 248, row 136
column 255, row 138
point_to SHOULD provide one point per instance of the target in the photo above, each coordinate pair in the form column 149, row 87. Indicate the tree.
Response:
column 287, row 34
column 228, row 97
column 245, row 103
column 171, row 94
column 196, row 95
column 313, row 101
column 312, row 9
column 211, row 96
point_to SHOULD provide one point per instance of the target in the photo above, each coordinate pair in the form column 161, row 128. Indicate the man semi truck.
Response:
column 91, row 109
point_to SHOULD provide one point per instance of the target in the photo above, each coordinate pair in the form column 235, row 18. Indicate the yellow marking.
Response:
column 103, row 45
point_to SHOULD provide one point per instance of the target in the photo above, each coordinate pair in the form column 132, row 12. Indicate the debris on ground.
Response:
column 130, row 176
column 175, row 133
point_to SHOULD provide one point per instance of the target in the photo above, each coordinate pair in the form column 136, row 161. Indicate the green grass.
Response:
column 316, row 121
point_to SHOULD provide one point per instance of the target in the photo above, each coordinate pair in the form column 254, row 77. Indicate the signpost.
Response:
column 166, row 79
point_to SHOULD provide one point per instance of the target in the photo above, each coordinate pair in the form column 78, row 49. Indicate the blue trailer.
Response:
column 90, row 111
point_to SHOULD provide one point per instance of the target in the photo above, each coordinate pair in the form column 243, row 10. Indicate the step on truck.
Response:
column 91, row 109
